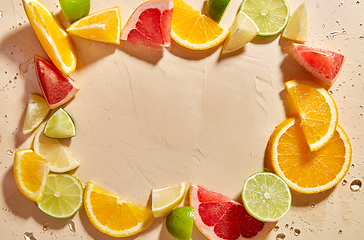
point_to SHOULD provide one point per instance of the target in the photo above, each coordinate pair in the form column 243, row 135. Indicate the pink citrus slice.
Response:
column 219, row 217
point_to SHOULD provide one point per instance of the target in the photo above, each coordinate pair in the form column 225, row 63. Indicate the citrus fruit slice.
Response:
column 219, row 217
column 317, row 111
column 60, row 125
column 57, row 88
column 59, row 157
column 37, row 110
column 266, row 196
column 150, row 24
column 216, row 8
column 62, row 196
column 193, row 30
column 103, row 26
column 242, row 31
column 75, row 9
column 114, row 215
column 297, row 26
column 271, row 16
column 165, row 199
column 305, row 171
column 30, row 173
column 179, row 223
column 52, row 36
column 323, row 64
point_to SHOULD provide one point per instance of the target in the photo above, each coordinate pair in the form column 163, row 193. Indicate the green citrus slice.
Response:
column 216, row 8
column 297, row 26
column 60, row 125
column 75, row 9
column 271, row 16
column 266, row 196
column 62, row 196
column 37, row 110
column 179, row 222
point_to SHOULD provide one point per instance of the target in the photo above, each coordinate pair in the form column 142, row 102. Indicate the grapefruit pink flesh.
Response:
column 219, row 217
column 323, row 64
column 57, row 88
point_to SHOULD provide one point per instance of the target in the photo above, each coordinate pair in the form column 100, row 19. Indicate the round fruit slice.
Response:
column 193, row 30
column 30, row 173
column 57, row 88
column 317, row 111
column 266, row 196
column 37, row 110
column 103, row 26
column 150, row 24
column 52, row 36
column 75, row 9
column 60, row 125
column 323, row 64
column 114, row 215
column 219, row 217
column 165, row 199
column 271, row 16
column 216, row 8
column 242, row 31
column 62, row 196
column 59, row 157
column 179, row 223
column 297, row 26
column 305, row 171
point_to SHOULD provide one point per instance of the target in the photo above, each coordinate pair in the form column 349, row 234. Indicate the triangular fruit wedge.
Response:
column 323, row 64
column 219, row 217
column 150, row 24
column 57, row 88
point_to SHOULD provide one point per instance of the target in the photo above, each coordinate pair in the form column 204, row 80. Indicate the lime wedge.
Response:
column 242, row 31
column 271, row 16
column 37, row 110
column 266, row 196
column 179, row 223
column 60, row 125
column 62, row 196
column 297, row 26
column 75, row 9
column 216, row 8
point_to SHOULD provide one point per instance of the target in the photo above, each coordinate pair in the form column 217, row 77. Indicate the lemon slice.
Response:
column 60, row 125
column 297, row 26
column 37, row 110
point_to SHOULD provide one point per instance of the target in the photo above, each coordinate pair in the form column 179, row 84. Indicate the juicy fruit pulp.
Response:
column 297, row 26
column 216, row 8
column 179, row 223
column 37, row 110
column 75, row 9
column 60, row 125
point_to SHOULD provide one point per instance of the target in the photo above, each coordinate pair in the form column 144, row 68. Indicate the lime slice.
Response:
column 271, row 16
column 75, row 9
column 242, row 31
column 297, row 26
column 60, row 125
column 266, row 196
column 179, row 223
column 62, row 196
column 37, row 110
column 52, row 150
column 216, row 8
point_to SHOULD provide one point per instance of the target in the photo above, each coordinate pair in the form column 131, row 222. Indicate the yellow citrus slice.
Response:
column 193, row 30
column 114, row 215
column 103, row 26
column 317, row 111
column 307, row 171
column 54, row 39
column 30, row 173
column 297, row 26
column 37, row 110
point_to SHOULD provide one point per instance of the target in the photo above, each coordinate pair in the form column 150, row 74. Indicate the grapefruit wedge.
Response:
column 323, row 64
column 219, row 217
column 57, row 88
column 150, row 24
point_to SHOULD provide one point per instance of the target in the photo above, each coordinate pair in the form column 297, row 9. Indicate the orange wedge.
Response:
column 114, row 215
column 307, row 171
column 193, row 30
column 54, row 39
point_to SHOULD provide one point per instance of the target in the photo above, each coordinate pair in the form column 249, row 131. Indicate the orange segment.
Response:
column 304, row 170
column 193, row 30
column 112, row 214
column 52, row 36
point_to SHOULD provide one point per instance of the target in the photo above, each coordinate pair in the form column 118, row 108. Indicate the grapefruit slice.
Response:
column 323, row 64
column 57, row 88
column 219, row 217
column 150, row 24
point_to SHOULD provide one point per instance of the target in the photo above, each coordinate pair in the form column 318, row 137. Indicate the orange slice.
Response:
column 317, row 111
column 103, row 26
column 114, row 215
column 193, row 30
column 52, row 36
column 305, row 171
